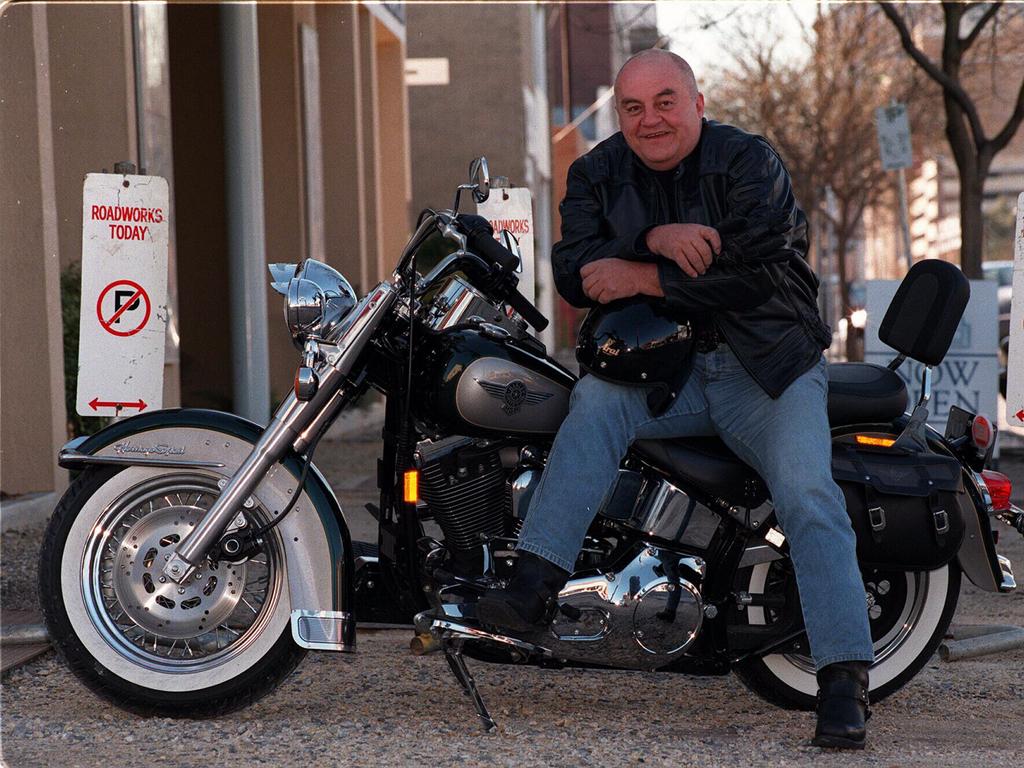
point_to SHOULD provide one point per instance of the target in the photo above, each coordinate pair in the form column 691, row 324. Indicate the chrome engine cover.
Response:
column 640, row 618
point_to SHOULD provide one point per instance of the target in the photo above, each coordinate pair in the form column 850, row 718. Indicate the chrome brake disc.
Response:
column 157, row 604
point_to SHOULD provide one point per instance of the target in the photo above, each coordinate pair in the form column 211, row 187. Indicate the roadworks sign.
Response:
column 123, row 321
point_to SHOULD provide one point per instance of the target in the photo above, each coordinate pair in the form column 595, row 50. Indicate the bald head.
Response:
column 659, row 108
column 662, row 57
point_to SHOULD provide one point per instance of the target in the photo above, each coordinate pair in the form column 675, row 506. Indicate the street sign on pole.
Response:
column 122, row 325
column 511, row 208
column 893, row 128
column 1015, row 363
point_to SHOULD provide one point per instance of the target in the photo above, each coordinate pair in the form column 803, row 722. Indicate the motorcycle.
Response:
column 196, row 557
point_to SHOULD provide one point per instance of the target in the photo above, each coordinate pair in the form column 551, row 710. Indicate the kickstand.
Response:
column 453, row 654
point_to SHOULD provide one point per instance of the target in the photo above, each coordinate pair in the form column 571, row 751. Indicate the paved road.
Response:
column 383, row 705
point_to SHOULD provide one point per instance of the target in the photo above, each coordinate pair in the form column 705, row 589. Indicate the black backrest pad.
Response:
column 926, row 311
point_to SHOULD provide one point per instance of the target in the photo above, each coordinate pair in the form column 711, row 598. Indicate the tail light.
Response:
column 999, row 488
column 982, row 433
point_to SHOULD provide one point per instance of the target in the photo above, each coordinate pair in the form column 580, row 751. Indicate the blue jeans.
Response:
column 786, row 440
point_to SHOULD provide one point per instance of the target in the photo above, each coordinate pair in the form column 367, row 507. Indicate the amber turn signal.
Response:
column 881, row 442
column 412, row 486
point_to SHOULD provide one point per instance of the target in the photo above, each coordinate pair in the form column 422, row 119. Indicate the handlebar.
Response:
column 524, row 307
column 497, row 263
column 480, row 237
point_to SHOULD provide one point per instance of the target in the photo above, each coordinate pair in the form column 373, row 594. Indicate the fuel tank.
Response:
column 481, row 384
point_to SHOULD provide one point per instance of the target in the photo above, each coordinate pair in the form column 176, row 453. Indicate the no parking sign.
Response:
column 124, row 294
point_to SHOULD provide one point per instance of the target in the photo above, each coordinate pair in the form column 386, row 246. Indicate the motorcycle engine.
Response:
column 463, row 482
column 643, row 616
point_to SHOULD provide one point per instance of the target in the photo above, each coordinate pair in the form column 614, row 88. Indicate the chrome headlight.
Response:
column 317, row 299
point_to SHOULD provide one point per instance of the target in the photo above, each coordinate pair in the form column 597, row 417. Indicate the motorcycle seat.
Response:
column 864, row 392
column 707, row 463
column 857, row 393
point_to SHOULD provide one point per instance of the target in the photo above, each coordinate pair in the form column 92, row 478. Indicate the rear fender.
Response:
column 316, row 537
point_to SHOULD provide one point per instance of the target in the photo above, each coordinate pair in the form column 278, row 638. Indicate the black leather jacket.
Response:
column 760, row 293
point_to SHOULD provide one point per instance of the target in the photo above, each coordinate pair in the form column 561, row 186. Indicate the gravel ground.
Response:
column 383, row 705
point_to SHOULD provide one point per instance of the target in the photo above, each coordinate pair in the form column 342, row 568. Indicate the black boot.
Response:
column 524, row 603
column 842, row 705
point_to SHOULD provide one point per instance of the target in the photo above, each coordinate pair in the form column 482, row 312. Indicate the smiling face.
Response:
column 659, row 110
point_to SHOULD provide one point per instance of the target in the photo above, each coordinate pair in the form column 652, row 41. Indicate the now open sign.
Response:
column 123, row 318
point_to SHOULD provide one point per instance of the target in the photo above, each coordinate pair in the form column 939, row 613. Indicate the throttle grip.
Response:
column 480, row 239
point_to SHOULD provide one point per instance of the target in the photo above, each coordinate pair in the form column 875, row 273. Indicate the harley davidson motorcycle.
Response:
column 196, row 557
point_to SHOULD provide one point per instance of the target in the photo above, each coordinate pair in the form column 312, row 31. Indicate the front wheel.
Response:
column 909, row 613
column 210, row 645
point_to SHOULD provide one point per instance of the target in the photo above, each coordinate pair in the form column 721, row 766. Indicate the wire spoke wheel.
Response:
column 895, row 601
column 908, row 613
column 206, row 620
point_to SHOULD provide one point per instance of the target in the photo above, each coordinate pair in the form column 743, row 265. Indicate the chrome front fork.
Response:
column 289, row 429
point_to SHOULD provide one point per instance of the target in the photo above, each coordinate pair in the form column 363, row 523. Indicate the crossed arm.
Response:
column 736, row 265
column 691, row 247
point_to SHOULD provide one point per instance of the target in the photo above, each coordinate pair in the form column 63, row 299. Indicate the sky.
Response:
column 700, row 29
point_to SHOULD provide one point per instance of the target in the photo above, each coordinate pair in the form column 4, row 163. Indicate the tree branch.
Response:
column 991, row 11
column 1003, row 137
column 948, row 84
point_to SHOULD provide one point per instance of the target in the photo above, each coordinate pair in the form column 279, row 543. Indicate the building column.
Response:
column 394, row 186
column 345, row 202
column 371, row 145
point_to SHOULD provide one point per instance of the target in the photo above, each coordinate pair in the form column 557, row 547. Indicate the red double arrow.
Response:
column 96, row 404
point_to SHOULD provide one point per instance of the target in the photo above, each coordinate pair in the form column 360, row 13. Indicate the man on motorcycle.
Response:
column 701, row 217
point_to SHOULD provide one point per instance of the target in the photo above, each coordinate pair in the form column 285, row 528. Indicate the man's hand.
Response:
column 691, row 246
column 606, row 280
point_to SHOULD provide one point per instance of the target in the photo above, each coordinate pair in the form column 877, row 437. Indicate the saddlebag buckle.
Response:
column 941, row 518
column 876, row 516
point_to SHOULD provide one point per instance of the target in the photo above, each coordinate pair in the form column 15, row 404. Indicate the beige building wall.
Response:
column 93, row 104
column 72, row 66
column 283, row 177
column 83, row 109
column 480, row 111
column 32, row 411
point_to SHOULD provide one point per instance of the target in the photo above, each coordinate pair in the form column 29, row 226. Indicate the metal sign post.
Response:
column 893, row 128
column 123, row 319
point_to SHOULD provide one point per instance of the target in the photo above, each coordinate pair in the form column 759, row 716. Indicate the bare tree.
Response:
column 973, row 149
column 819, row 112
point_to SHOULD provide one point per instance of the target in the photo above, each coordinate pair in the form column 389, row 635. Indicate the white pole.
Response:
column 539, row 150
column 243, row 145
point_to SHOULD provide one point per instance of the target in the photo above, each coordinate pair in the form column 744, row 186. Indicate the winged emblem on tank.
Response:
column 514, row 395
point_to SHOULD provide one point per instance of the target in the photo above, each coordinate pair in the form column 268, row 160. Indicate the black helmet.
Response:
column 636, row 343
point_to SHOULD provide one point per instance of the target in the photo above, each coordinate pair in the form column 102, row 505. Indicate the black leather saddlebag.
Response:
column 906, row 508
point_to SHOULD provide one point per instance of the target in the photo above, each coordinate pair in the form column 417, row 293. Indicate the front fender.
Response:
column 316, row 537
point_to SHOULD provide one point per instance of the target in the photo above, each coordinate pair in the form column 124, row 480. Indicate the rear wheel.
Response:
column 909, row 613
column 209, row 645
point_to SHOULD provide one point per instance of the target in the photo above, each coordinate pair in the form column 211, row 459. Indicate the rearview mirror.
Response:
column 479, row 182
column 480, row 179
